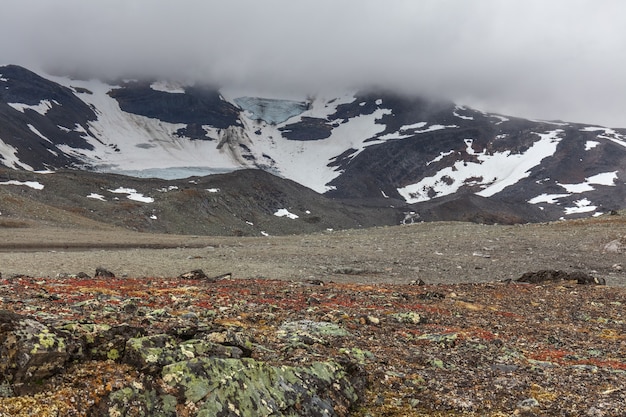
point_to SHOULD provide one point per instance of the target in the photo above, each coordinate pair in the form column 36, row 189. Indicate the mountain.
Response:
column 374, row 149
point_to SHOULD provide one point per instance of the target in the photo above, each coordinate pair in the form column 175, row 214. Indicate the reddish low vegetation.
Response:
column 496, row 349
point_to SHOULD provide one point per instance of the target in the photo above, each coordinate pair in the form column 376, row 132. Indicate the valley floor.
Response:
column 444, row 252
column 461, row 345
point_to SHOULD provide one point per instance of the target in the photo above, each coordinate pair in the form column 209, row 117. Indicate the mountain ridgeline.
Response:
column 371, row 157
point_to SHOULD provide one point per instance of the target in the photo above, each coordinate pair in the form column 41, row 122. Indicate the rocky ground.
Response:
column 441, row 252
column 321, row 324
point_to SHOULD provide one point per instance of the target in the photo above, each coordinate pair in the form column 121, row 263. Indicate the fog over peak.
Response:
column 561, row 59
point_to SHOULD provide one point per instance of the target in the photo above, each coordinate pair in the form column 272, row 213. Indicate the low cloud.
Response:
column 561, row 59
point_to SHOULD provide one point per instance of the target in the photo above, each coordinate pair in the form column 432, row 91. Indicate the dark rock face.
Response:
column 308, row 129
column 64, row 123
column 197, row 106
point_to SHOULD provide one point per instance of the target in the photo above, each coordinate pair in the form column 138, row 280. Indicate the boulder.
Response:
column 200, row 275
column 30, row 352
column 301, row 333
column 151, row 353
column 101, row 341
column 551, row 275
column 249, row 388
column 103, row 273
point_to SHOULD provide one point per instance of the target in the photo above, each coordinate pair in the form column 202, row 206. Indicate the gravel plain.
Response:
column 442, row 252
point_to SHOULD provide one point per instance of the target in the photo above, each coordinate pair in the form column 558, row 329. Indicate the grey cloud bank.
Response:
column 558, row 59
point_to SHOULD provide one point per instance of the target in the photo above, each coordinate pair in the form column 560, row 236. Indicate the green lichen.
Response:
column 89, row 331
column 47, row 341
column 248, row 387
column 301, row 333
column 408, row 318
column 358, row 355
column 113, row 354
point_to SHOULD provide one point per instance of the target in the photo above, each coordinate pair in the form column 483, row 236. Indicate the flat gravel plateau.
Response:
column 441, row 252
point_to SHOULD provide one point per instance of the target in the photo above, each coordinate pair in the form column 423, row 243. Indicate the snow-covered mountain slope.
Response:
column 374, row 146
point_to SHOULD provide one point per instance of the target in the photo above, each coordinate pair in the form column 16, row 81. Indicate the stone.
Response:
column 307, row 332
column 101, row 341
column 615, row 246
column 528, row 403
column 250, row 388
column 195, row 274
column 103, row 273
column 30, row 352
column 410, row 317
column 151, row 353
column 551, row 275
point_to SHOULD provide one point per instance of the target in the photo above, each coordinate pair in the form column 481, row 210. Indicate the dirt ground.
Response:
column 445, row 252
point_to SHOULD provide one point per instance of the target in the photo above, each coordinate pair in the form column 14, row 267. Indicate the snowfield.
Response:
column 493, row 172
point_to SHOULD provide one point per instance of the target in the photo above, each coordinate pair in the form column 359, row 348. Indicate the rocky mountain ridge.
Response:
column 374, row 149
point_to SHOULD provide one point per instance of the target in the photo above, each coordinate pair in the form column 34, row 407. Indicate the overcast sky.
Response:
column 548, row 59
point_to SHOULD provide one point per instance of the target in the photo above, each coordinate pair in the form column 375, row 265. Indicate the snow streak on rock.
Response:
column 492, row 173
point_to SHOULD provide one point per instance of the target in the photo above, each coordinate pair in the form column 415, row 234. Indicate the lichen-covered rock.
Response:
column 228, row 337
column 29, row 352
column 308, row 332
column 138, row 399
column 101, row 341
column 410, row 317
column 151, row 353
column 249, row 388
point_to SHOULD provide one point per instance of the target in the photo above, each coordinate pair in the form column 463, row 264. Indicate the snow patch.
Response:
column 96, row 197
column 577, row 188
column 213, row 190
column 547, row 198
column 41, row 108
column 590, row 144
column 38, row 133
column 460, row 116
column 580, row 206
column 410, row 130
column 285, row 213
column 604, row 178
column 440, row 157
column 32, row 184
column 167, row 189
column 8, row 157
column 133, row 195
